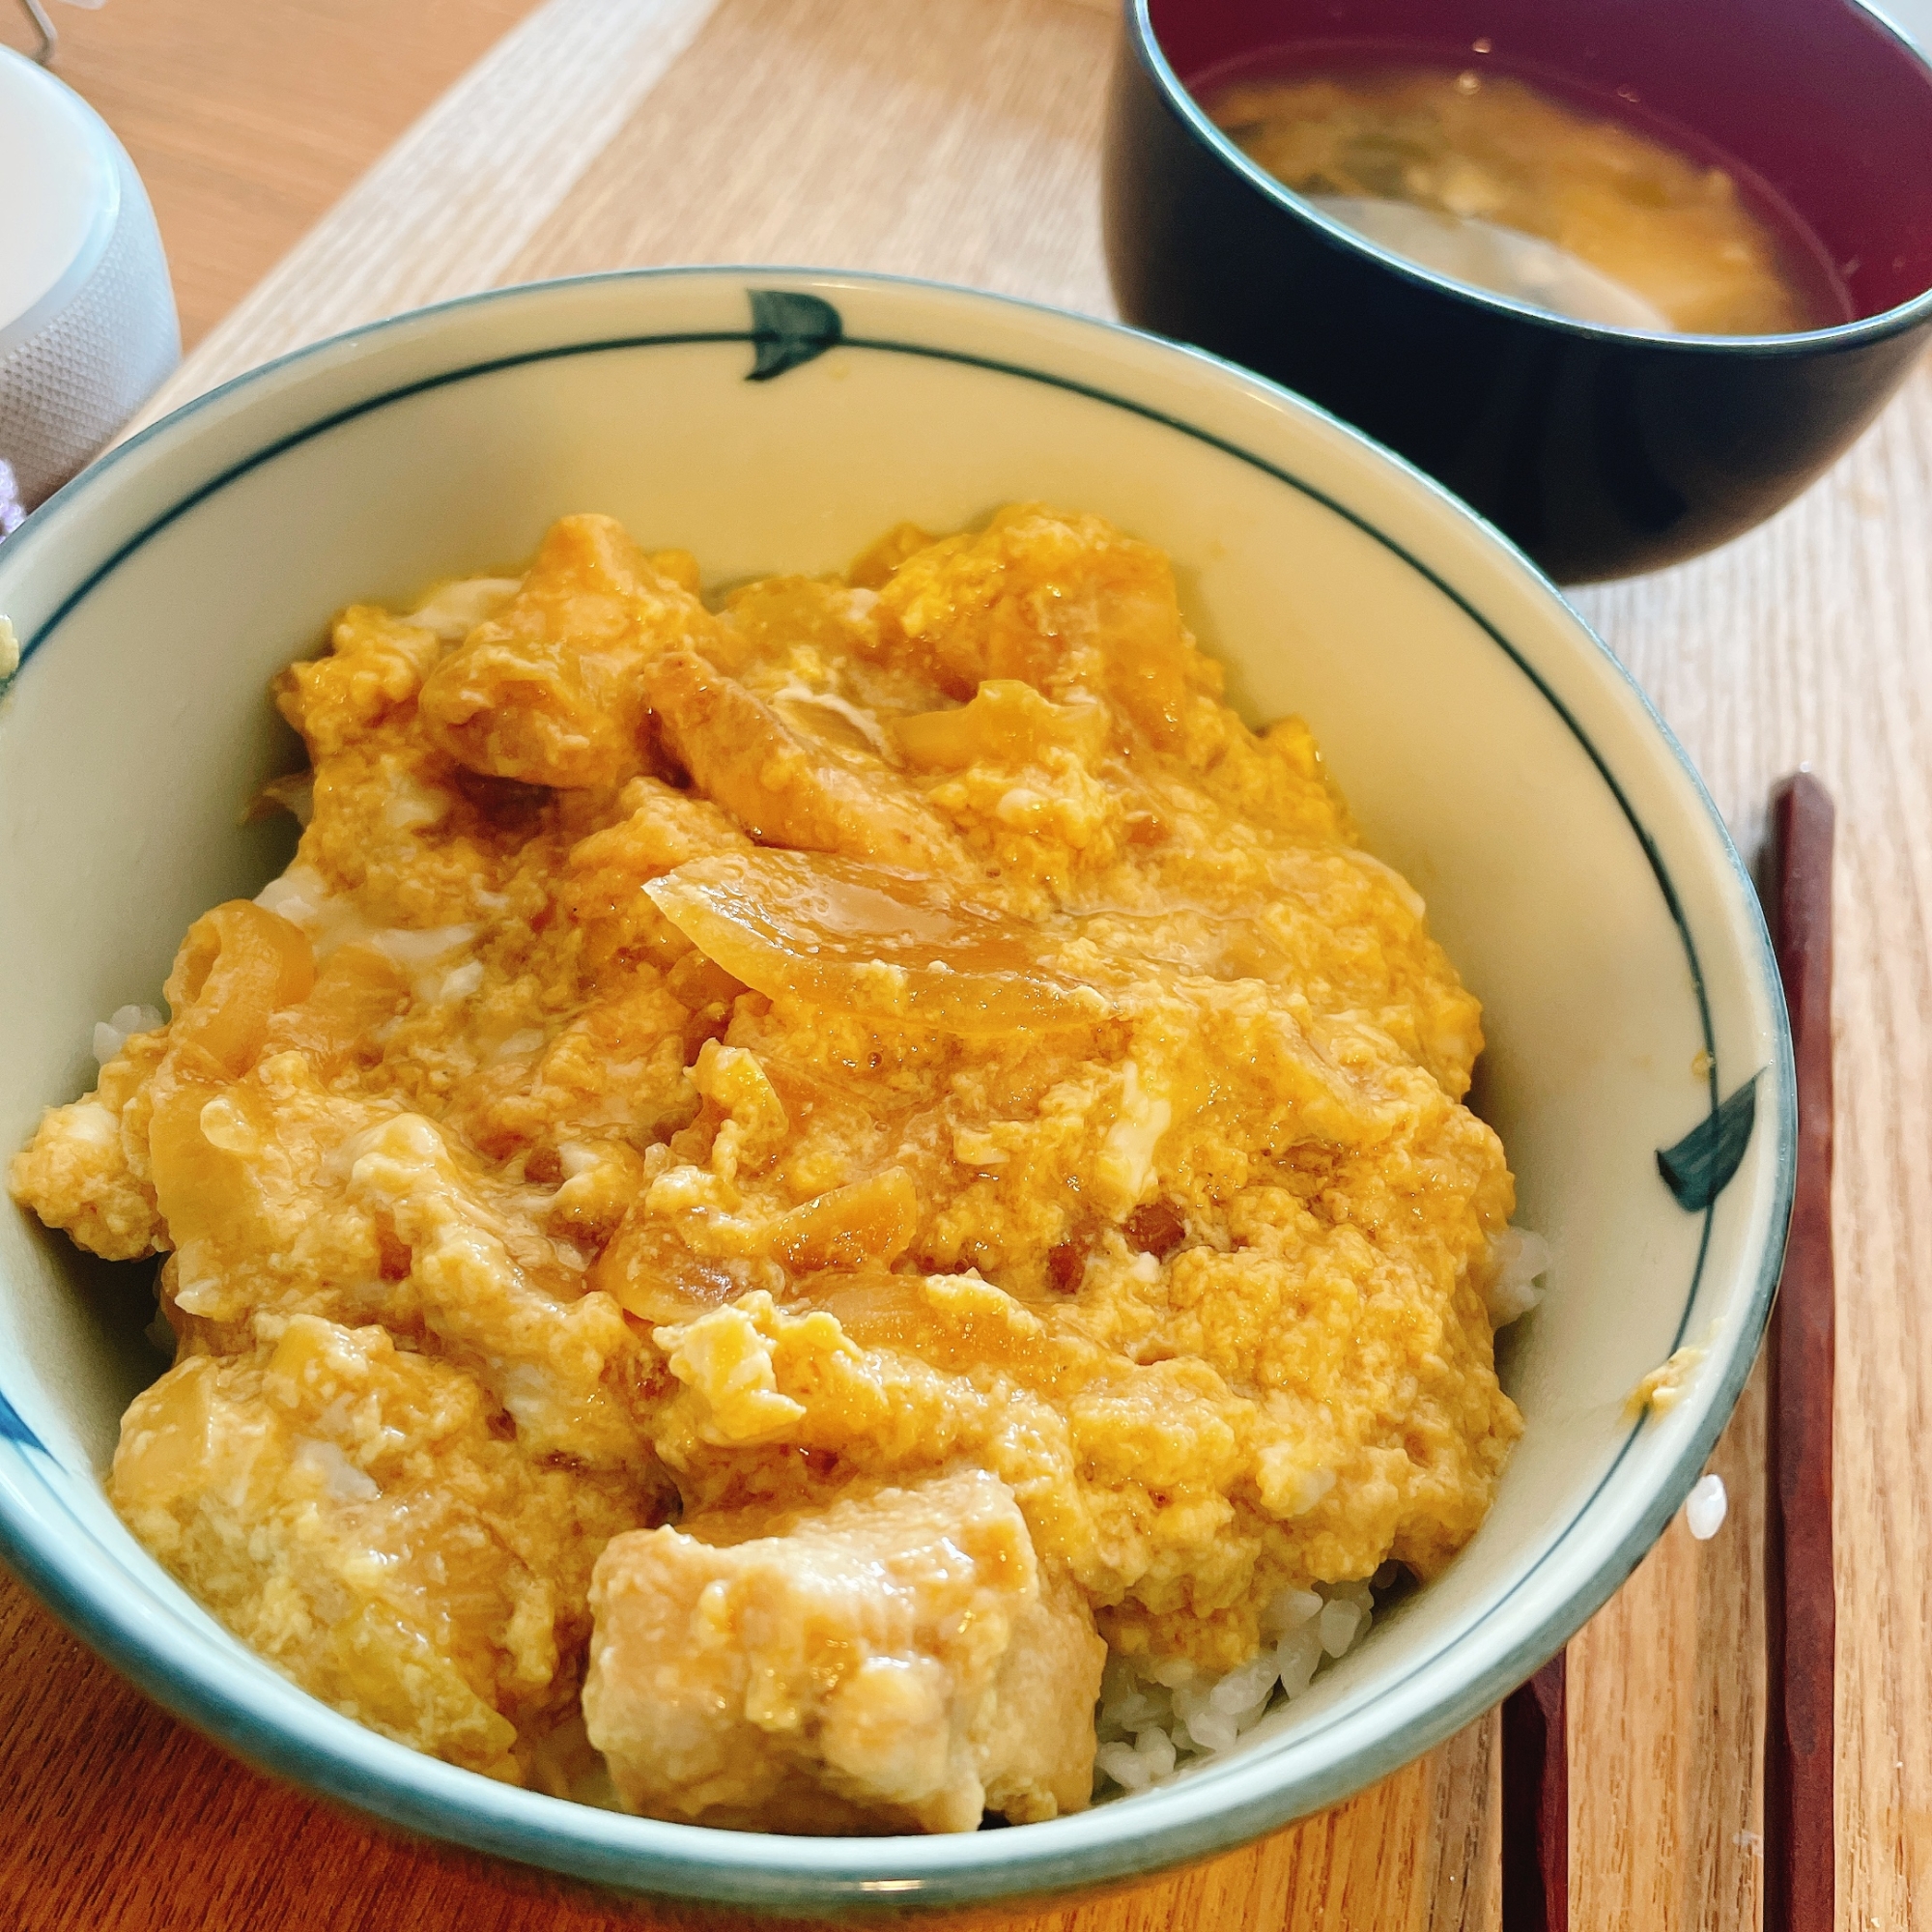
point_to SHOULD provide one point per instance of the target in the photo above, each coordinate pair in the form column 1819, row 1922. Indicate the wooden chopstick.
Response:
column 1536, row 1803
column 1801, row 1606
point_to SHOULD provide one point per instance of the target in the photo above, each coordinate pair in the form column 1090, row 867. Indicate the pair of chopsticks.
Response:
column 1800, row 1614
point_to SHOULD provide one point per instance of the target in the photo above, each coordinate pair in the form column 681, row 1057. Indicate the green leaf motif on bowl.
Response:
column 1699, row 1167
column 14, row 1429
column 788, row 330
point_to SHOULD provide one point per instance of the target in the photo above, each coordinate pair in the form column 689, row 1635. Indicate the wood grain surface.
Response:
column 247, row 119
column 958, row 141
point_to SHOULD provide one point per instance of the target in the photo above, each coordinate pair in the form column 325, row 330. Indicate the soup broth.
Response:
column 1484, row 178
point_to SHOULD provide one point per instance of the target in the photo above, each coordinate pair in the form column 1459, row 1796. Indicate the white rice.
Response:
column 1157, row 1719
column 110, row 1036
column 1706, row 1506
column 1520, row 1257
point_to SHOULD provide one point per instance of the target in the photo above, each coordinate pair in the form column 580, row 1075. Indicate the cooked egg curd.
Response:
column 814, row 1159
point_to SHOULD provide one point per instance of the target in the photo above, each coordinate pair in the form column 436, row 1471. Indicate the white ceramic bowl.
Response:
column 1492, row 749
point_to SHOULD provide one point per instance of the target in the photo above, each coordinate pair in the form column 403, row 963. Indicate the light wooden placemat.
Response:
column 961, row 142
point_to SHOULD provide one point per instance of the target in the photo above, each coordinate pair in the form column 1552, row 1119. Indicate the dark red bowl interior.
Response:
column 1827, row 108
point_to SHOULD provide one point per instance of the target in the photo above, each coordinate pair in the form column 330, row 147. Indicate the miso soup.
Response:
column 1482, row 177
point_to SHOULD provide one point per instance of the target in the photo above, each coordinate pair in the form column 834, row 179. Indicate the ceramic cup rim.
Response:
column 1146, row 46
column 94, row 143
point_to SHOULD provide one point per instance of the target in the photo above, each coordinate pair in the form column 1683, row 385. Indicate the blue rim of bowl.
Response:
column 1903, row 315
column 768, row 1871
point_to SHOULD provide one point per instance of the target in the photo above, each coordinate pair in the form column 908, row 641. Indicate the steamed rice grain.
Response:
column 1163, row 1718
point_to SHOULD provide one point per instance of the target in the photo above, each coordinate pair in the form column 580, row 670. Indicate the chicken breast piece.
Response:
column 781, row 788
column 547, row 690
column 895, row 1662
column 357, row 1514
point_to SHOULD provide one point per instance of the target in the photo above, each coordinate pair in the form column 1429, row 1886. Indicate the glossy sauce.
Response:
column 1480, row 176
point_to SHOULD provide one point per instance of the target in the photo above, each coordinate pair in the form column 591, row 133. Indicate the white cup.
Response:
column 87, row 315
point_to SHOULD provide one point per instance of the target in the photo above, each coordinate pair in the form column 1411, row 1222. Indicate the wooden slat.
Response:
column 248, row 119
column 1809, row 642
column 821, row 132
column 1667, row 1689
column 446, row 210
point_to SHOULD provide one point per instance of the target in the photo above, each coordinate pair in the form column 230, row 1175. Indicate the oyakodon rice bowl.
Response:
column 1416, row 647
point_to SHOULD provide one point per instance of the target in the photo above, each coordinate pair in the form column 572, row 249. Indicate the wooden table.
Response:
column 959, row 141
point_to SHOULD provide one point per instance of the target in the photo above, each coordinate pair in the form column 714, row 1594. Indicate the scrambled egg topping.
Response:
column 728, row 1087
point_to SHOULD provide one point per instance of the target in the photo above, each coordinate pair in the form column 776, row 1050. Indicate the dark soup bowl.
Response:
column 1603, row 450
